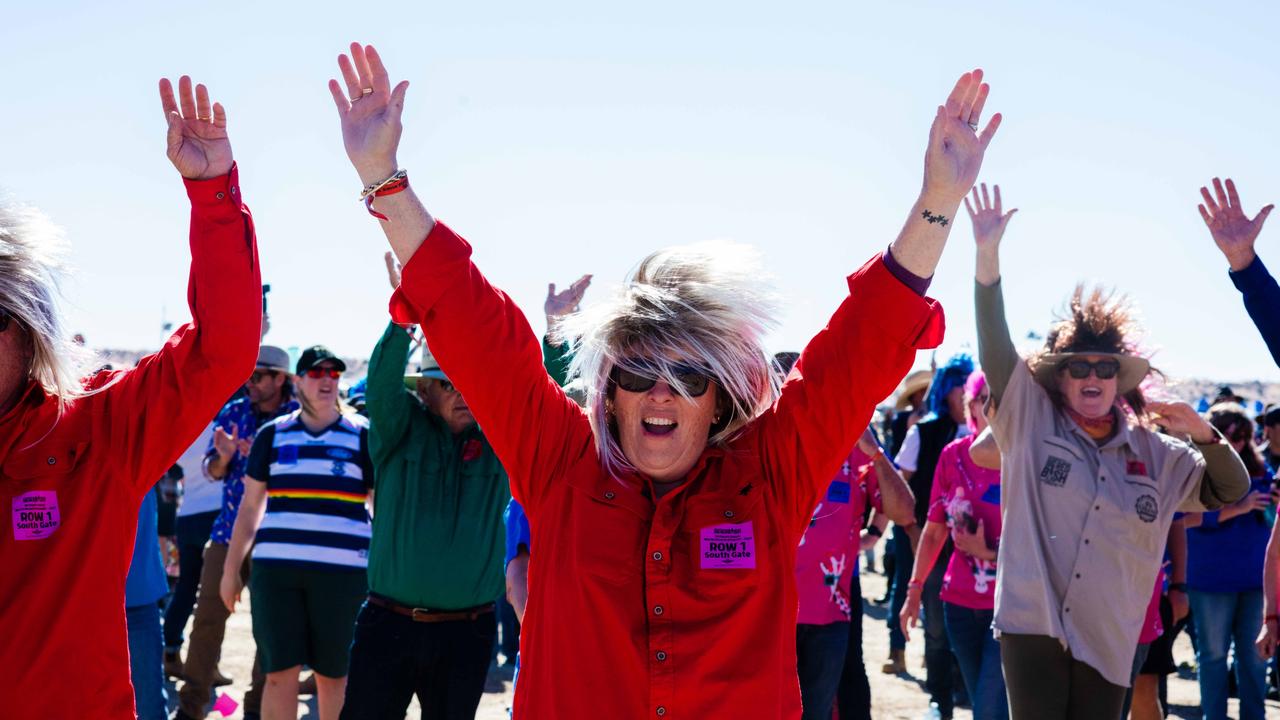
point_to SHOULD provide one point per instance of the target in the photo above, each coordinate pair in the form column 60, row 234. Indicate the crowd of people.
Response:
column 674, row 515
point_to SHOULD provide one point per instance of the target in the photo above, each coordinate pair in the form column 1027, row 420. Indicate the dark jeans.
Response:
column 978, row 655
column 937, row 649
column 819, row 660
column 1046, row 683
column 854, row 695
column 193, row 533
column 393, row 657
column 145, row 653
column 903, row 562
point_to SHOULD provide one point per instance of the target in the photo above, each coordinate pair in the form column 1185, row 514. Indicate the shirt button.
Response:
column 661, row 656
column 52, row 460
column 221, row 195
column 608, row 495
column 233, row 189
column 1077, row 576
column 1066, row 609
column 661, row 711
column 1097, row 507
column 657, row 610
column 657, row 556
column 1086, row 541
column 728, row 513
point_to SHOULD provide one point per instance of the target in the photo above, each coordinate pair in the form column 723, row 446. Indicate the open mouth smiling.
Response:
column 659, row 426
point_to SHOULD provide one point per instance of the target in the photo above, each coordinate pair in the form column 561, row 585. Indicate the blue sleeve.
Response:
column 1262, row 301
column 517, row 530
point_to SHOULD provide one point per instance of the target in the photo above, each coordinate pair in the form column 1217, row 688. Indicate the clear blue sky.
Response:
column 573, row 137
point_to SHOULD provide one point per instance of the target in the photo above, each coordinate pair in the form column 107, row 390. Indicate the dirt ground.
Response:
column 894, row 697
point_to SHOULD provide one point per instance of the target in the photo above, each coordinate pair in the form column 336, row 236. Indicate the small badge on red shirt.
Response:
column 471, row 450
column 35, row 515
column 1136, row 467
column 728, row 546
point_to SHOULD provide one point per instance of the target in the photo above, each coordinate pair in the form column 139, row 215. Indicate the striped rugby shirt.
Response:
column 316, row 490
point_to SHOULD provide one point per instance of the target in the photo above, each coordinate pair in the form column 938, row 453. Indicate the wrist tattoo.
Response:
column 931, row 218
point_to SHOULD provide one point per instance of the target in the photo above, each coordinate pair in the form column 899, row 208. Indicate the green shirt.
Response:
column 438, row 535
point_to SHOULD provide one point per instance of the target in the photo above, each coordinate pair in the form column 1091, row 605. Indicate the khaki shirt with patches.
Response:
column 1085, row 525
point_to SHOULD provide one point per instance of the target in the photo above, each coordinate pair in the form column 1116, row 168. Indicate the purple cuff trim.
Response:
column 917, row 284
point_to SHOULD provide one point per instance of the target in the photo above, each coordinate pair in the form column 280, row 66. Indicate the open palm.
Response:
column 563, row 303
column 1232, row 231
column 370, row 111
column 988, row 216
column 956, row 148
column 197, row 139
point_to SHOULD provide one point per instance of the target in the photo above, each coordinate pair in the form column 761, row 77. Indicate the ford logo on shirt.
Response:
column 340, row 453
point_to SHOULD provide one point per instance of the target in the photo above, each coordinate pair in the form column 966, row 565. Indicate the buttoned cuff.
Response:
column 427, row 275
column 902, row 314
column 216, row 197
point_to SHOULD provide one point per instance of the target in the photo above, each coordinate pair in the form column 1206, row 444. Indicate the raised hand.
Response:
column 867, row 443
column 370, row 112
column 988, row 216
column 393, row 269
column 1180, row 418
column 956, row 148
column 566, row 302
column 1232, row 231
column 226, row 445
column 197, row 141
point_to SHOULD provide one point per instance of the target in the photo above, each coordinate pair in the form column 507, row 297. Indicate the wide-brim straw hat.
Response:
column 914, row 383
column 1133, row 369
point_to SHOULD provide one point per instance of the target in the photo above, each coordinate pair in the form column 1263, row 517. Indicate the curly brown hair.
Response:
column 1096, row 321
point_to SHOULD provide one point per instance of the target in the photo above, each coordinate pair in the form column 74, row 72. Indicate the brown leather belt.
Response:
column 428, row 615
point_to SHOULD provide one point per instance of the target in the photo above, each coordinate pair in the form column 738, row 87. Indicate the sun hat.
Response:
column 914, row 383
column 428, row 367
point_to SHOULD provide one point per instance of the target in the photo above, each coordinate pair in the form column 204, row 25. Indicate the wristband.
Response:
column 398, row 182
column 873, row 530
column 914, row 584
column 1179, row 586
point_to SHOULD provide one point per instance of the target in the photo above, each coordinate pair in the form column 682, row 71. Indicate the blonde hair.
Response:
column 32, row 252
column 706, row 306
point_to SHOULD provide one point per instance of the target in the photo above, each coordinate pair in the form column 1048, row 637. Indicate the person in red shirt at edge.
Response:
column 666, row 512
column 77, row 456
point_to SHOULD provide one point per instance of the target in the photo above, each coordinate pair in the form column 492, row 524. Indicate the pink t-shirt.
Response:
column 827, row 557
column 963, row 490
column 1152, row 628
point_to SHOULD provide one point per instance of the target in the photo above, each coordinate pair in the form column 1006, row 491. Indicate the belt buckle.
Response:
column 421, row 614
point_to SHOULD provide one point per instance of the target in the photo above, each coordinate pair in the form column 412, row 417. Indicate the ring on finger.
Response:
column 973, row 125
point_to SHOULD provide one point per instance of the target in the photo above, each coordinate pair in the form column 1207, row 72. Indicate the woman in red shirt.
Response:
column 667, row 513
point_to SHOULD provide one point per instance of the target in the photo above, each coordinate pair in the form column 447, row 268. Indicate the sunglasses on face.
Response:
column 1080, row 369
column 695, row 383
column 316, row 373
column 257, row 375
column 446, row 386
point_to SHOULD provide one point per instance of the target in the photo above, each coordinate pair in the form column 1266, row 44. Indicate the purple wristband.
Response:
column 917, row 284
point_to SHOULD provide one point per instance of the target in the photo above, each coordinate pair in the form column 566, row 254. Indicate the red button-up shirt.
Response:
column 684, row 607
column 71, row 486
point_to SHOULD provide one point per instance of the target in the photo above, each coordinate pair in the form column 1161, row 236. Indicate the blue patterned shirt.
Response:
column 238, row 415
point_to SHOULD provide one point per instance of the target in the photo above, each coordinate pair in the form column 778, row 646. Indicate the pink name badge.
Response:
column 35, row 515
column 729, row 546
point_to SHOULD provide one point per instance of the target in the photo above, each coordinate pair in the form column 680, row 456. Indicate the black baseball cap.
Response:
column 1271, row 416
column 315, row 355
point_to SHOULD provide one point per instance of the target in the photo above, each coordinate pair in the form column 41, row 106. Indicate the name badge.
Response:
column 728, row 546
column 838, row 492
column 35, row 515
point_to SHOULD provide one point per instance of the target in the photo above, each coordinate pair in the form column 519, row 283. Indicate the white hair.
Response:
column 32, row 252
column 705, row 306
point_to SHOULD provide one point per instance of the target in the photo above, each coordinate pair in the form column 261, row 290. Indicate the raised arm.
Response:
column 480, row 337
column 995, row 346
column 555, row 351
column 389, row 404
column 205, row 360
column 1235, row 235
column 896, row 499
column 871, row 341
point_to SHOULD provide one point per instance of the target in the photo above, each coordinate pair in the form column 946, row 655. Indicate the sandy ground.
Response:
column 894, row 697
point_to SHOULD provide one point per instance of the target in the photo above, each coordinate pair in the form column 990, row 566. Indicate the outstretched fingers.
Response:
column 971, row 96
column 958, row 93
column 1233, row 197
column 339, row 99
column 219, row 116
column 984, row 138
column 349, row 76
column 999, row 204
column 361, row 61
column 1261, row 217
column 986, row 198
column 204, row 109
column 1208, row 201
column 975, row 114
column 186, row 98
column 168, row 103
column 1220, row 194
column 378, row 76
column 969, row 207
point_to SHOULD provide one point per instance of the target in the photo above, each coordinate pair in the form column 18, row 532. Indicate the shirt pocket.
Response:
column 1137, row 512
column 608, row 540
column 729, row 544
column 1060, row 464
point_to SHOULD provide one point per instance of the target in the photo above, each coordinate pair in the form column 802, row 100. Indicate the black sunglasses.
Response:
column 5, row 317
column 1080, row 369
column 694, row 382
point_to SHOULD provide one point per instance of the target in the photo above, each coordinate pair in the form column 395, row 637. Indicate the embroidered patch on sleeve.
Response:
column 1055, row 471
